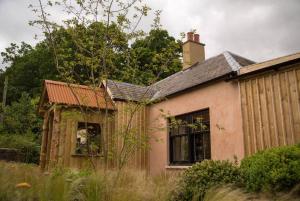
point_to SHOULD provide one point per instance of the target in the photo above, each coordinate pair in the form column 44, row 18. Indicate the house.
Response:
column 241, row 106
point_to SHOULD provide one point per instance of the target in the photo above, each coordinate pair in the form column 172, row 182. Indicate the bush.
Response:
column 202, row 176
column 272, row 170
column 26, row 144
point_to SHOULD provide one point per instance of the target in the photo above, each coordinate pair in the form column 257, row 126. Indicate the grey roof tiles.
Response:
column 199, row 73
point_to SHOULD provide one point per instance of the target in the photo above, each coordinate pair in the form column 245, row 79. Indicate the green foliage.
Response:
column 154, row 57
column 202, row 176
column 26, row 144
column 82, row 51
column 26, row 69
column 149, row 59
column 275, row 169
column 20, row 117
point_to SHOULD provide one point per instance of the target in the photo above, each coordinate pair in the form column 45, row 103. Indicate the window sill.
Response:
column 85, row 155
column 177, row 167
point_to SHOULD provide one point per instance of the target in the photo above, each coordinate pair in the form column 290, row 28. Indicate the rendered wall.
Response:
column 223, row 101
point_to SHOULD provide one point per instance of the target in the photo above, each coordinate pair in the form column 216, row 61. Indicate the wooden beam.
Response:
column 44, row 141
column 268, row 64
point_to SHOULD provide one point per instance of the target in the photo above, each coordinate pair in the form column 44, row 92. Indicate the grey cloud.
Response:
column 257, row 29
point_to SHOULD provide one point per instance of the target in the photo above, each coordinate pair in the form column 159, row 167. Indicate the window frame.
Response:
column 191, row 134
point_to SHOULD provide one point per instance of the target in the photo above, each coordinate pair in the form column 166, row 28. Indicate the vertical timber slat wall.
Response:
column 138, row 159
column 270, row 104
column 59, row 137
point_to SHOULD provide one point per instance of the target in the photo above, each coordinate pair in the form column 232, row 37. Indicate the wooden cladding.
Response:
column 270, row 105
column 60, row 129
column 140, row 158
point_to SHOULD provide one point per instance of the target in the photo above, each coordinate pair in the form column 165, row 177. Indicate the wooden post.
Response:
column 5, row 92
column 4, row 98
column 44, row 141
column 55, row 138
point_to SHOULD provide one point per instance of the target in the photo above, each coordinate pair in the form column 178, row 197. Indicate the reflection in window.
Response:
column 88, row 138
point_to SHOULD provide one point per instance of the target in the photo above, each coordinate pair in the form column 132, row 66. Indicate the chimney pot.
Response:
column 190, row 36
column 196, row 38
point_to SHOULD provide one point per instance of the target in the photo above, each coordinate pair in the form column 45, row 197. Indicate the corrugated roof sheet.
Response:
column 73, row 94
column 197, row 74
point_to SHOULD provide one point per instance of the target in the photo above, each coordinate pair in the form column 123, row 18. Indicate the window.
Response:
column 88, row 138
column 189, row 138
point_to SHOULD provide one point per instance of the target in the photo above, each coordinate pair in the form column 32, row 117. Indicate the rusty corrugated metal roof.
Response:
column 73, row 94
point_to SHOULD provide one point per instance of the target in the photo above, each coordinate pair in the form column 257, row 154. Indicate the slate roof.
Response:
column 126, row 91
column 73, row 94
column 199, row 73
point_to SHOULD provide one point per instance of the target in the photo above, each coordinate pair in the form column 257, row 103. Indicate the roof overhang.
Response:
column 73, row 95
column 269, row 65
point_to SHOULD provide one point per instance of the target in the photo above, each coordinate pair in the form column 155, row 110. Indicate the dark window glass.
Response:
column 189, row 137
column 181, row 153
column 88, row 138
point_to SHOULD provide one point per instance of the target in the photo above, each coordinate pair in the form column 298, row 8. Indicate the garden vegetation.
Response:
column 268, row 175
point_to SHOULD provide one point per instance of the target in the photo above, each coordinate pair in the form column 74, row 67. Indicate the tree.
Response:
column 157, row 56
column 152, row 58
column 27, row 68
column 80, row 51
column 20, row 117
column 97, row 34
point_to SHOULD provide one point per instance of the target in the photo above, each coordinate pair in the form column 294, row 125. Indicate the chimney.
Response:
column 193, row 50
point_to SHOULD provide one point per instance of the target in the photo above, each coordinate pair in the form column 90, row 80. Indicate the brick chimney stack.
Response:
column 193, row 50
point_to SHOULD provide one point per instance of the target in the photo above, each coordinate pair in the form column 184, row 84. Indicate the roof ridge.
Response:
column 237, row 55
column 66, row 84
column 187, row 69
column 232, row 62
column 128, row 83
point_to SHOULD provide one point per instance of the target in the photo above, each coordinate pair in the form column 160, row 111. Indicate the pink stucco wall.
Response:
column 223, row 101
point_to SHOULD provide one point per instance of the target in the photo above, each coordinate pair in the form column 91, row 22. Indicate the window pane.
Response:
column 206, row 145
column 180, row 148
column 201, row 121
column 178, row 126
column 174, row 130
column 201, row 147
column 198, row 148
column 88, row 133
column 182, row 129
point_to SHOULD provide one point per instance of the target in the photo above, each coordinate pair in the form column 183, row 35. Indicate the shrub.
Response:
column 202, row 176
column 26, row 144
column 275, row 169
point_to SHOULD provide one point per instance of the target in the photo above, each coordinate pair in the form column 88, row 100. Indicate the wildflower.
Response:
column 23, row 185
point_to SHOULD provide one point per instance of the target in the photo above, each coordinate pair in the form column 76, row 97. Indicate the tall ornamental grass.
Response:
column 25, row 182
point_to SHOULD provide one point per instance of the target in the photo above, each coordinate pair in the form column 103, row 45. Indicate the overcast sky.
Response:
column 256, row 29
